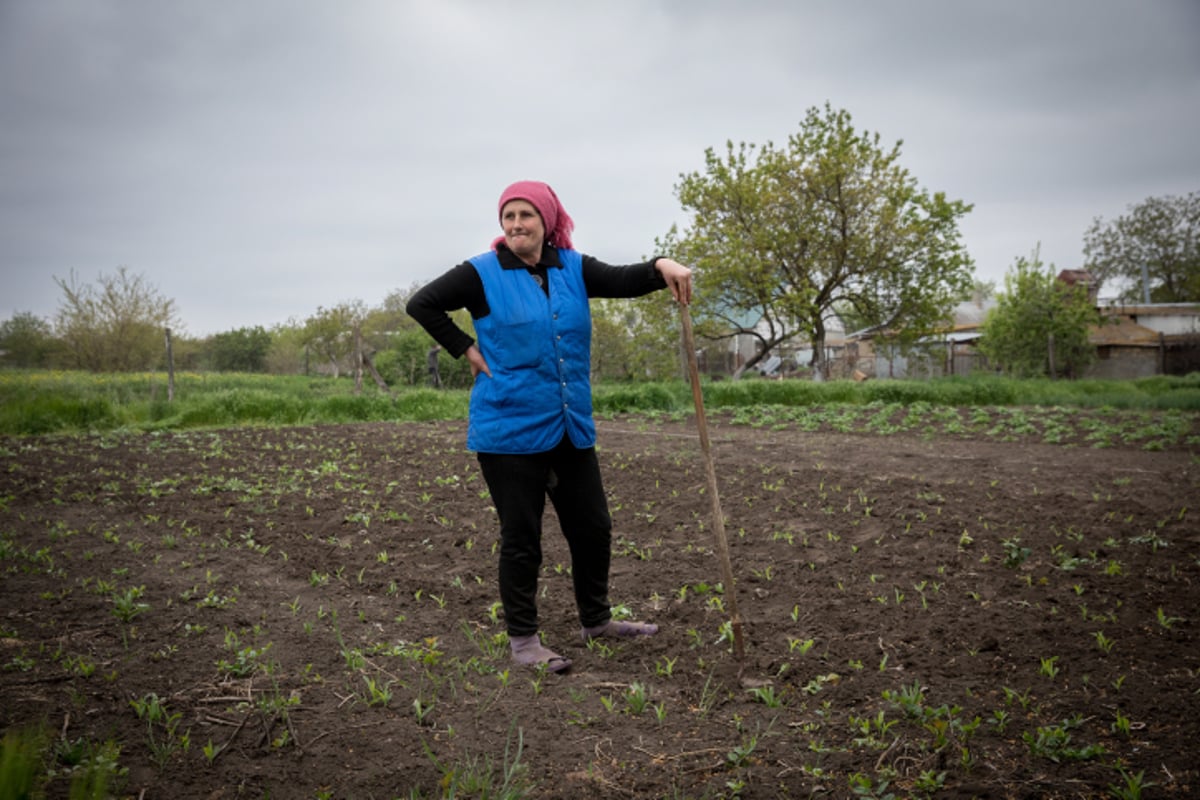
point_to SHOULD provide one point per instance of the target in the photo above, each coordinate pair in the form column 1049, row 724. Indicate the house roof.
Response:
column 1152, row 309
column 970, row 314
column 1122, row 332
column 1074, row 276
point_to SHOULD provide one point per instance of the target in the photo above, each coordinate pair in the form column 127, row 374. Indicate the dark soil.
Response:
column 926, row 616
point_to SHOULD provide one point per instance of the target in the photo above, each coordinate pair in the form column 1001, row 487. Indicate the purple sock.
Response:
column 528, row 651
column 621, row 629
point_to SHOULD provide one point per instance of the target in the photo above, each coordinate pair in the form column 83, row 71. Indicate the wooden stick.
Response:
column 718, row 519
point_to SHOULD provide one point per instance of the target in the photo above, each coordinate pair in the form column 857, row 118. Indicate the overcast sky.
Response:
column 260, row 158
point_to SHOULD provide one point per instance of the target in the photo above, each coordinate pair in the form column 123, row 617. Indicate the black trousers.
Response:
column 519, row 485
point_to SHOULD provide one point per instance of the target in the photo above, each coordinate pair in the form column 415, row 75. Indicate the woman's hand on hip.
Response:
column 478, row 365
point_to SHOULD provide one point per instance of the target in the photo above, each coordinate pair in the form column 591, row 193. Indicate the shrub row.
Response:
column 34, row 403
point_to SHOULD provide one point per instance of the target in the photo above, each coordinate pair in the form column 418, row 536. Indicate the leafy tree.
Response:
column 240, row 350
column 117, row 325
column 1160, row 235
column 980, row 290
column 1039, row 320
column 288, row 354
column 786, row 234
column 26, row 340
column 329, row 333
column 636, row 339
column 401, row 344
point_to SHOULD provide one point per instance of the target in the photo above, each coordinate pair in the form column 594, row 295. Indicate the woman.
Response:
column 530, row 419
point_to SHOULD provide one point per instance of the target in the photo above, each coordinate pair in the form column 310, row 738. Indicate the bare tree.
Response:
column 115, row 325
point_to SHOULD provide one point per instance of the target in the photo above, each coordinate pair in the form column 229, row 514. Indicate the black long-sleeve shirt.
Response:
column 461, row 287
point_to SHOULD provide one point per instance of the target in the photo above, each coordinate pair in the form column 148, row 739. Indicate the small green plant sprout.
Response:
column 725, row 634
column 740, row 755
column 161, row 728
column 637, row 698
column 929, row 782
column 909, row 699
column 379, row 693
column 1164, row 621
column 862, row 786
column 246, row 660
column 1049, row 667
column 481, row 777
column 211, row 751
column 1131, row 786
column 126, row 605
column 1103, row 642
column 803, row 645
column 1122, row 725
column 1054, row 742
column 1014, row 554
column 767, row 696
column 665, row 666
column 422, row 710
column 600, row 647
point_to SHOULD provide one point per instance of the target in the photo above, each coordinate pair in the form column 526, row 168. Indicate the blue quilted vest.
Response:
column 539, row 351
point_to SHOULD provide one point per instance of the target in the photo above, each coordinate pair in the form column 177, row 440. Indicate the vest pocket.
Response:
column 519, row 345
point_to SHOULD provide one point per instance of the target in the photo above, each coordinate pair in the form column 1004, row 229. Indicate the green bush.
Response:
column 51, row 413
column 626, row 397
column 38, row 402
column 430, row 404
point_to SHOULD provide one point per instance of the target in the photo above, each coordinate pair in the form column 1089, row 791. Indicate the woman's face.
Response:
column 523, row 230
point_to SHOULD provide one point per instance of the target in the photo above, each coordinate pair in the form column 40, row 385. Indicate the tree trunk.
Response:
column 358, row 360
column 379, row 381
column 170, row 369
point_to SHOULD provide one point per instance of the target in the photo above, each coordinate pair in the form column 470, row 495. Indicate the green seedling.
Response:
column 126, row 605
column 802, row 645
column 1054, row 742
column 767, row 696
column 422, row 711
column 1049, row 667
column 1014, row 554
column 1165, row 621
column 379, row 693
column 740, row 755
column 1131, row 786
column 637, row 698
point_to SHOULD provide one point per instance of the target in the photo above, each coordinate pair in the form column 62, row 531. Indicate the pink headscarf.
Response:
column 555, row 219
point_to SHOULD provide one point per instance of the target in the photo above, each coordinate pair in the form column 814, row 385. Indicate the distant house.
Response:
column 1136, row 341
column 950, row 351
column 784, row 359
column 1081, row 277
column 1133, row 341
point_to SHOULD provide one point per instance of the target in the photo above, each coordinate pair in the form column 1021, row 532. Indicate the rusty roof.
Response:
column 1122, row 332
